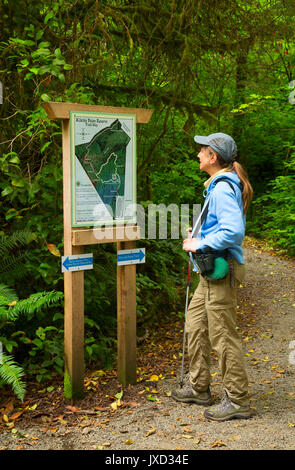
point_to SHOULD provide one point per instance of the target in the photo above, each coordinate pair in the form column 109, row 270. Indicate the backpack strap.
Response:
column 204, row 214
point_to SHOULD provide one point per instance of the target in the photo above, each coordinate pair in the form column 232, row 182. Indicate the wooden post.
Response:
column 74, row 331
column 126, row 315
column 73, row 289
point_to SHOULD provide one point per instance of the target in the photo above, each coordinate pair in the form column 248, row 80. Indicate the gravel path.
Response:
column 266, row 316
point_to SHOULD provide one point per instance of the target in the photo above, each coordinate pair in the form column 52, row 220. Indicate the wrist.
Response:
column 194, row 245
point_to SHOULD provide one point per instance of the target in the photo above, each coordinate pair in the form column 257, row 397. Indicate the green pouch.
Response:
column 220, row 270
column 210, row 266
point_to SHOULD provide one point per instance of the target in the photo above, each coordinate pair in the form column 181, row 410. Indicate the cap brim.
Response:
column 201, row 139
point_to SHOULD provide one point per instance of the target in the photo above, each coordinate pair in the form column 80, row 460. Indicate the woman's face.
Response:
column 207, row 158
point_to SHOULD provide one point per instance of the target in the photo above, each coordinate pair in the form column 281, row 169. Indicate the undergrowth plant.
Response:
column 12, row 308
column 275, row 211
column 11, row 373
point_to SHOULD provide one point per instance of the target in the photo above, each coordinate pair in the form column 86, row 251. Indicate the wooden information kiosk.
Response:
column 75, row 238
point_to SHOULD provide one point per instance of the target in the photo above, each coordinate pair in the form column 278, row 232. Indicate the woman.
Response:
column 211, row 316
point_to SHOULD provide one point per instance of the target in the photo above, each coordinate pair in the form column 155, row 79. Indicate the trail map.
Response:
column 104, row 168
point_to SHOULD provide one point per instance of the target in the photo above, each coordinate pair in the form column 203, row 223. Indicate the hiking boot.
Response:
column 228, row 410
column 189, row 395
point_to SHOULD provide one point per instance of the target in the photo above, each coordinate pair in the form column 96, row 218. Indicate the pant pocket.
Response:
column 221, row 294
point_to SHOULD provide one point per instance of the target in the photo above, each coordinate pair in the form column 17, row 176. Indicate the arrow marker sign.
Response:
column 76, row 262
column 135, row 256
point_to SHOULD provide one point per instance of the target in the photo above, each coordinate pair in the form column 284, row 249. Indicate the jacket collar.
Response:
column 206, row 184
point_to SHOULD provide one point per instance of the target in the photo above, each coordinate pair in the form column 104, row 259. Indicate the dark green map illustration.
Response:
column 103, row 159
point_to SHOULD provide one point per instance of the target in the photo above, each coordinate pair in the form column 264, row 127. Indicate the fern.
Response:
column 12, row 260
column 7, row 297
column 7, row 294
column 16, row 240
column 33, row 304
column 12, row 266
column 11, row 373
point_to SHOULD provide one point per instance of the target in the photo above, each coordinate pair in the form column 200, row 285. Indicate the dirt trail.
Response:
column 146, row 417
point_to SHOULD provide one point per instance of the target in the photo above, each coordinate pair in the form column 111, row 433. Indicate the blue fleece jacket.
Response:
column 224, row 227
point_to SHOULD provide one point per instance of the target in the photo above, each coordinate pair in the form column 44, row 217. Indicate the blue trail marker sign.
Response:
column 135, row 256
column 76, row 262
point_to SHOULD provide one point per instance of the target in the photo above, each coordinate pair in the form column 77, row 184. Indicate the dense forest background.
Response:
column 203, row 67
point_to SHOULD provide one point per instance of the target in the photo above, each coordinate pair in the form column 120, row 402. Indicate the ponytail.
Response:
column 247, row 192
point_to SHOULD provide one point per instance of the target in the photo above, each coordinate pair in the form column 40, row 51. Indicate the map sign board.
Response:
column 103, row 168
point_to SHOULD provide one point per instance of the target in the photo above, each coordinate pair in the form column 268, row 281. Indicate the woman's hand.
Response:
column 189, row 244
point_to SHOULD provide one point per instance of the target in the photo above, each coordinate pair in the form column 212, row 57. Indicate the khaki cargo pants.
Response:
column 211, row 325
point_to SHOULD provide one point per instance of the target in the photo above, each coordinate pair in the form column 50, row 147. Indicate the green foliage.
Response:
column 46, row 353
column 11, row 374
column 13, row 254
column 7, row 295
column 274, row 218
column 13, row 309
column 32, row 305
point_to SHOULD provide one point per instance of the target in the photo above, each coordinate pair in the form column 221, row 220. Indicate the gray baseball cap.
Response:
column 223, row 144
